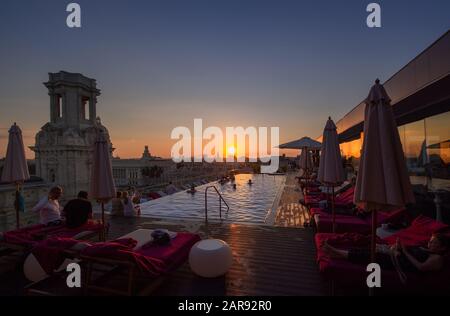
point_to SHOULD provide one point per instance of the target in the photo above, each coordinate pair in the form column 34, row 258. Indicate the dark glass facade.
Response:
column 426, row 144
column 420, row 94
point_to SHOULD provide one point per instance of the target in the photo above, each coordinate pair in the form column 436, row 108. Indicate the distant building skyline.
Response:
column 161, row 64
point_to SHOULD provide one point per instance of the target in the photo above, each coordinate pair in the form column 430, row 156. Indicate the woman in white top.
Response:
column 48, row 207
column 128, row 206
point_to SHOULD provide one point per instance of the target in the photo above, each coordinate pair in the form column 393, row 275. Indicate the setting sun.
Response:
column 231, row 150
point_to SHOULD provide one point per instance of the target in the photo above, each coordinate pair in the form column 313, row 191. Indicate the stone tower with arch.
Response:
column 63, row 148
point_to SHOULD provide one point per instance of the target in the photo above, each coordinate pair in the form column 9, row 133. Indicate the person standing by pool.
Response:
column 117, row 205
column 48, row 207
column 171, row 189
column 128, row 205
column 136, row 197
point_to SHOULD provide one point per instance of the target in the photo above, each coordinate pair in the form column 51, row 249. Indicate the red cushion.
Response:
column 419, row 233
column 427, row 225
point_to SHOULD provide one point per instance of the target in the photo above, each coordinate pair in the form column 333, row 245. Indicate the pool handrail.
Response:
column 220, row 202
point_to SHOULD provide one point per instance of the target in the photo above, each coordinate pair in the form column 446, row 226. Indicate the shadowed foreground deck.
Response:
column 267, row 261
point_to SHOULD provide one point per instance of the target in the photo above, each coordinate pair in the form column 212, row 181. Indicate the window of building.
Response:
column 426, row 145
column 351, row 152
column 414, row 147
column 59, row 105
column 438, row 148
column 85, row 108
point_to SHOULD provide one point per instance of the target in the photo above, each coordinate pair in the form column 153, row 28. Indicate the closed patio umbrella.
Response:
column 15, row 169
column 306, row 164
column 305, row 161
column 382, row 181
column 331, row 171
column 102, row 186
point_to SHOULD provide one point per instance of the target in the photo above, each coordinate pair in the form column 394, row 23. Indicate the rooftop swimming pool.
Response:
column 254, row 203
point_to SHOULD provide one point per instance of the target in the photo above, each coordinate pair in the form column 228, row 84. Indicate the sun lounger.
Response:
column 133, row 256
column 27, row 237
column 352, row 275
column 321, row 190
column 345, row 199
column 352, row 223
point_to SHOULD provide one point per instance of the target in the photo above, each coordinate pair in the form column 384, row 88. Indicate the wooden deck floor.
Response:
column 290, row 212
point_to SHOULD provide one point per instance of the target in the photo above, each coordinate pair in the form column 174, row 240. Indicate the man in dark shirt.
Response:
column 78, row 211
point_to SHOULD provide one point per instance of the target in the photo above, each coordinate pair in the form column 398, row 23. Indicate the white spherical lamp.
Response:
column 210, row 258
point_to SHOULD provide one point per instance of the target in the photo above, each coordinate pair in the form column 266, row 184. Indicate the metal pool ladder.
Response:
column 220, row 202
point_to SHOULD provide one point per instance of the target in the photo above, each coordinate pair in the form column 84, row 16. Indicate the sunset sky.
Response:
column 160, row 64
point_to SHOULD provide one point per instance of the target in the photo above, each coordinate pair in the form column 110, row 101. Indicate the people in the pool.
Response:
column 224, row 180
column 250, row 182
column 192, row 190
column 234, row 186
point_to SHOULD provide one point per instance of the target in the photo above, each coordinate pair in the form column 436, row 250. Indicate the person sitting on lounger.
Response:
column 48, row 207
column 399, row 256
column 78, row 211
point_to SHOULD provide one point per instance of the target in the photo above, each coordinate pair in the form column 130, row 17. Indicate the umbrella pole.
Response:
column 16, row 206
column 373, row 245
column 103, row 222
column 306, row 169
column 332, row 209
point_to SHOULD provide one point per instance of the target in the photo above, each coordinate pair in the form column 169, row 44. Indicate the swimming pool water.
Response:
column 248, row 203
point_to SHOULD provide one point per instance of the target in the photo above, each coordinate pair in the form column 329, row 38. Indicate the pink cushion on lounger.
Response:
column 428, row 225
column 419, row 232
column 50, row 253
column 24, row 235
column 352, row 223
column 151, row 259
column 29, row 235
